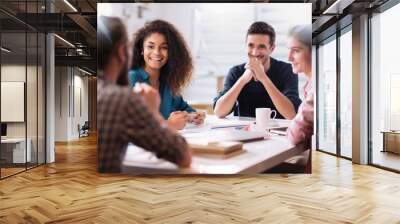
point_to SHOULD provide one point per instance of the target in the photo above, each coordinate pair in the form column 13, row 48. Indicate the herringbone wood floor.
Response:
column 71, row 191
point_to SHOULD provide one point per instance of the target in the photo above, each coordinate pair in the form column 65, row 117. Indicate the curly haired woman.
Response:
column 162, row 59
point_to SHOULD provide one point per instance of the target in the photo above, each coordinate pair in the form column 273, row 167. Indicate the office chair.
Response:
column 297, row 164
column 84, row 130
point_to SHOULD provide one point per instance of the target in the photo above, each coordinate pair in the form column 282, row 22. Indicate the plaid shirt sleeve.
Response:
column 142, row 129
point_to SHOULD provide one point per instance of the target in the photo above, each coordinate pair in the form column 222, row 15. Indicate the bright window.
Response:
column 385, row 84
column 327, row 96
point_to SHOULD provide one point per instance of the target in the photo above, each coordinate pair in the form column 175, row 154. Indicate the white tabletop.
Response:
column 257, row 157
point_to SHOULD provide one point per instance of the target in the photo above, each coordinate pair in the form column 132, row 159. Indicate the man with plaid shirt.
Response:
column 125, row 115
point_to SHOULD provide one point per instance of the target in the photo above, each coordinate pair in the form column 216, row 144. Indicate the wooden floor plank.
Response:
column 71, row 191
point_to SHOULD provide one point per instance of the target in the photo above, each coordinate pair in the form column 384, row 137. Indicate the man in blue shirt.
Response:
column 261, row 82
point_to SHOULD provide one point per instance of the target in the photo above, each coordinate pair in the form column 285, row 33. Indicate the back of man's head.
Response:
column 262, row 28
column 110, row 34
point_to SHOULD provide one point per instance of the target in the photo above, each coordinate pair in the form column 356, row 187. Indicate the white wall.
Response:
column 70, row 84
column 81, row 103
column 33, row 126
column 12, row 73
column 61, row 83
column 12, row 100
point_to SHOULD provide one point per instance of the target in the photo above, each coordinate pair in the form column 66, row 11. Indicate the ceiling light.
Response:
column 5, row 50
column 70, row 5
column 338, row 6
column 80, row 51
column 84, row 71
column 65, row 41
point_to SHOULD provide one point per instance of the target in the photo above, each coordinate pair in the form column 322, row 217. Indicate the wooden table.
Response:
column 391, row 141
column 257, row 157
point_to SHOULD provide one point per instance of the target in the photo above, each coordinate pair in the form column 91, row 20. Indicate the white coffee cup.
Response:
column 263, row 118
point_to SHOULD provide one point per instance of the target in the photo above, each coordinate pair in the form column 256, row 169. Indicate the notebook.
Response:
column 222, row 149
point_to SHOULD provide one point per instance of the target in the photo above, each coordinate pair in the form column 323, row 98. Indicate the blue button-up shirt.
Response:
column 169, row 102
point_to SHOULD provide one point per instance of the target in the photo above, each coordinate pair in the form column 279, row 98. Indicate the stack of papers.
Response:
column 216, row 123
column 228, row 123
column 138, row 160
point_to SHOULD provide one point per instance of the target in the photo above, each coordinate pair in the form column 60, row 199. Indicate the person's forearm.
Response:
column 281, row 102
column 187, row 153
column 302, row 126
column 227, row 101
column 164, row 122
column 187, row 158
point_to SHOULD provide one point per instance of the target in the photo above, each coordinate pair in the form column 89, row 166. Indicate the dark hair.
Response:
column 110, row 33
column 302, row 33
column 262, row 28
column 177, row 72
